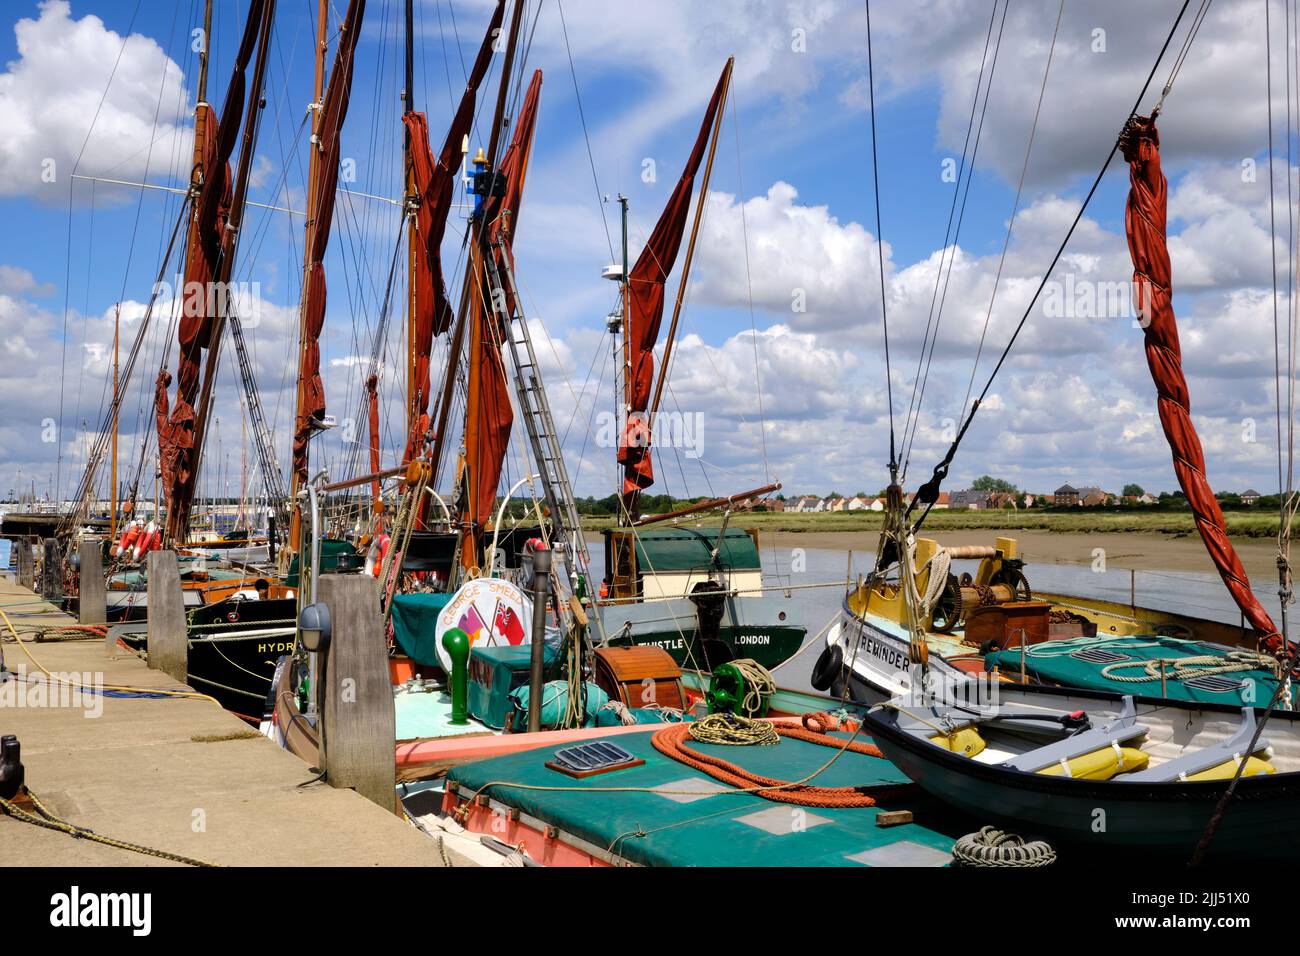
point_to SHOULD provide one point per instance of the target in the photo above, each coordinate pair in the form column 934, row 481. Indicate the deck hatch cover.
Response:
column 1214, row 683
column 1098, row 655
column 597, row 755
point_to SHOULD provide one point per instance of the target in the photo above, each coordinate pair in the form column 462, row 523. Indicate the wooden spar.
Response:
column 472, row 268
column 229, row 240
column 112, row 479
column 412, row 234
column 625, row 516
column 690, row 246
column 706, row 505
column 363, row 479
column 309, row 228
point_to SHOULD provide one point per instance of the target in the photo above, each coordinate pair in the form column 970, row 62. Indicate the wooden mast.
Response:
column 177, row 526
column 309, row 230
column 473, row 276
column 469, row 546
column 112, row 480
column 412, row 235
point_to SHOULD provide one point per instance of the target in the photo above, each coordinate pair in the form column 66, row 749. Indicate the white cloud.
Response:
column 60, row 83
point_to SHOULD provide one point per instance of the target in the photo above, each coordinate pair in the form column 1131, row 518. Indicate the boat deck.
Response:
column 673, row 815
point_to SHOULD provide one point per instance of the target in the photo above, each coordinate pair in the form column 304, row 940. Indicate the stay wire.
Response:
column 941, row 469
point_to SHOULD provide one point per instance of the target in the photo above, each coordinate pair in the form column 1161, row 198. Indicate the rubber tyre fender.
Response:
column 827, row 668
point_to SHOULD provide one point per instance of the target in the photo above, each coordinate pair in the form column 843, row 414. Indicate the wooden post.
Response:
column 93, row 606
column 166, row 641
column 26, row 564
column 52, row 572
column 359, row 728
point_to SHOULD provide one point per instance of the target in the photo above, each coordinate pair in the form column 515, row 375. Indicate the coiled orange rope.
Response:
column 672, row 742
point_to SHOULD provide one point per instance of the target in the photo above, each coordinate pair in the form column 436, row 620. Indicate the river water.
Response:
column 817, row 577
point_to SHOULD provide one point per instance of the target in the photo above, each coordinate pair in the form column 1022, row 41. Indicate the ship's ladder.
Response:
column 567, row 540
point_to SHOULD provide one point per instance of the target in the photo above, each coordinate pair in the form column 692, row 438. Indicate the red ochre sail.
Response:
column 211, row 209
column 434, row 180
column 501, row 215
column 334, row 110
column 1144, row 222
column 646, row 309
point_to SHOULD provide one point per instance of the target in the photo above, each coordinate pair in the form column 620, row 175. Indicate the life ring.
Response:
column 375, row 556
column 827, row 668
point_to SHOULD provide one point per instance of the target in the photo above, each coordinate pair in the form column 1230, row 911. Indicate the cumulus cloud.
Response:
column 60, row 83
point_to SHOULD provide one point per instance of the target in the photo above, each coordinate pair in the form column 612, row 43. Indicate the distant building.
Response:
column 1249, row 497
column 1066, row 496
column 1092, row 497
column 804, row 504
column 1148, row 499
column 968, row 499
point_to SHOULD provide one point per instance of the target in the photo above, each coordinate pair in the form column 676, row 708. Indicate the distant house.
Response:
column 968, row 499
column 1028, row 500
column 1249, row 497
column 1001, row 499
column 1147, row 499
column 1092, row 497
column 945, row 500
column 836, row 504
column 803, row 504
column 879, row 504
column 1066, row 496
column 857, row 503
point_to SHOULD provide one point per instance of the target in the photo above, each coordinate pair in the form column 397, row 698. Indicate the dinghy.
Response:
column 1099, row 771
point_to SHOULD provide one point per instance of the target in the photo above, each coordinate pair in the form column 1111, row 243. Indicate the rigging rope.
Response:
column 928, row 493
column 1015, row 206
column 880, row 249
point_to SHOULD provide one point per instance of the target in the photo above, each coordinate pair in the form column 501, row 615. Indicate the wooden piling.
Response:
column 92, row 606
column 26, row 564
column 52, row 572
column 168, row 647
column 359, row 726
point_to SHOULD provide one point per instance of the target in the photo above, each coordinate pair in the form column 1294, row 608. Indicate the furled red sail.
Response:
column 646, row 308
column 1144, row 221
column 211, row 210
column 434, row 180
column 372, row 398
column 334, row 109
column 501, row 216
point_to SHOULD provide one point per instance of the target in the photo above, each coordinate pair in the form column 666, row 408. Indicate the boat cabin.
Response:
column 658, row 562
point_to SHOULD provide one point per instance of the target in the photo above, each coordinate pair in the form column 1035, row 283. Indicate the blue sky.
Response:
column 791, row 208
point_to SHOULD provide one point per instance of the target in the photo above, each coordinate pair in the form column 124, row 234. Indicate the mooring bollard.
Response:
column 456, row 643
column 92, row 607
column 358, row 725
column 167, row 641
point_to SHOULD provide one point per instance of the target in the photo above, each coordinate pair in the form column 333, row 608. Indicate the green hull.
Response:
column 768, row 646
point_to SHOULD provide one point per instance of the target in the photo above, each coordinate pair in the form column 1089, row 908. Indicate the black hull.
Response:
column 1164, row 819
column 228, row 662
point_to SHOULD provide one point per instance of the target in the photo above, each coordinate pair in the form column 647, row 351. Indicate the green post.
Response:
column 456, row 643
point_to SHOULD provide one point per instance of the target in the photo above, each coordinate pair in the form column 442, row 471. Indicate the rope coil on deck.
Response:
column 992, row 847
column 1186, row 668
column 671, row 741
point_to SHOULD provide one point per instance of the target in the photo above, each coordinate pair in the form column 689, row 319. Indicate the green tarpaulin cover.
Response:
column 415, row 619
column 689, row 549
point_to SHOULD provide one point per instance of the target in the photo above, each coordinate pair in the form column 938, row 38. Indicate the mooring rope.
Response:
column 996, row 848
